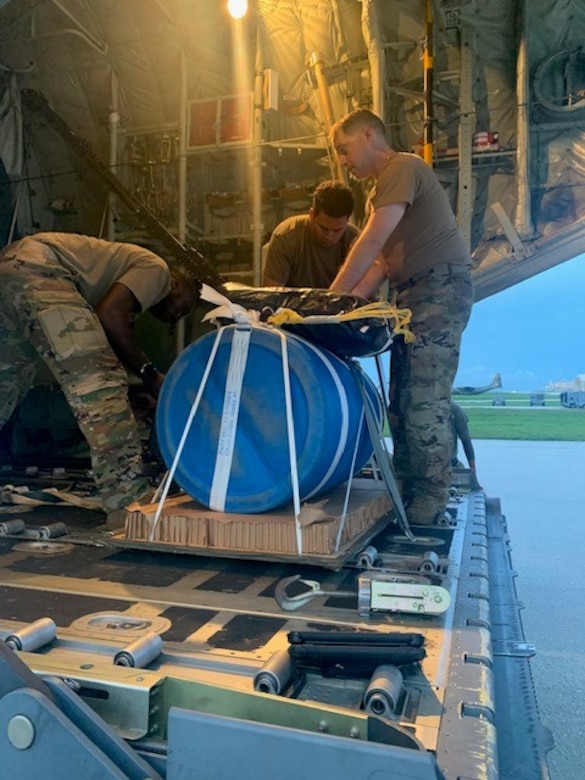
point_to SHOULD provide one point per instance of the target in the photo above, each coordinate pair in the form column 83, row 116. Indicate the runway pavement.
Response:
column 540, row 485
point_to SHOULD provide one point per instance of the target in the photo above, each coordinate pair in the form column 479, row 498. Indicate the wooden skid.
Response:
column 184, row 523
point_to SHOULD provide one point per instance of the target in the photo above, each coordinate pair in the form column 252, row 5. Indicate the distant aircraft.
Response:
column 495, row 383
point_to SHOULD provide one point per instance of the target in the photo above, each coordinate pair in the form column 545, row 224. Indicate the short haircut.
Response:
column 186, row 274
column 356, row 119
column 333, row 198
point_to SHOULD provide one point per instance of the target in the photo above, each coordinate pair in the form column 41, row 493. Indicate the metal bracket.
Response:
column 519, row 252
column 513, row 649
column 43, row 723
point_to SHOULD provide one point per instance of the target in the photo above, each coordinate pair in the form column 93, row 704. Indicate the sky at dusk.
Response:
column 532, row 333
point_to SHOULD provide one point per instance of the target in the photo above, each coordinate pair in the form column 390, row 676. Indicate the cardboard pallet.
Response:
column 185, row 525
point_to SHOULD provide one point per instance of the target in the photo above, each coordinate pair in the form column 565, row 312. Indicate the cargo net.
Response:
column 343, row 324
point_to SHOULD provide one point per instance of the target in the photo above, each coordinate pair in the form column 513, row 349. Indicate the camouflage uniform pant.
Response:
column 43, row 317
column 421, row 379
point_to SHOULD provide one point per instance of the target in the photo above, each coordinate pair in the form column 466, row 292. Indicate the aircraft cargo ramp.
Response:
column 294, row 660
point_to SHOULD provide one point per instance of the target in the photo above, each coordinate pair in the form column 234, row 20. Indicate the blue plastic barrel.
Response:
column 236, row 455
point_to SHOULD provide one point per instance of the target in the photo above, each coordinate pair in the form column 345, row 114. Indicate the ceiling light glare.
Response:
column 237, row 8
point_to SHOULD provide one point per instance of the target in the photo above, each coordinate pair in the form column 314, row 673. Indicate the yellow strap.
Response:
column 377, row 310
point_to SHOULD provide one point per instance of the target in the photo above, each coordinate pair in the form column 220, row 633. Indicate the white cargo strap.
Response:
column 229, row 418
column 168, row 479
column 383, row 457
column 292, row 447
column 343, row 433
column 225, row 308
column 343, row 517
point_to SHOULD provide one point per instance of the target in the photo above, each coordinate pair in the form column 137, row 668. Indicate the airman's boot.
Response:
column 423, row 510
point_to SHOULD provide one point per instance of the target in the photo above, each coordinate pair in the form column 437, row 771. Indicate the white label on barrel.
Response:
column 229, row 419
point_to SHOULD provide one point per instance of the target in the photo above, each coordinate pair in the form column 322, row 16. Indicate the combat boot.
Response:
column 423, row 510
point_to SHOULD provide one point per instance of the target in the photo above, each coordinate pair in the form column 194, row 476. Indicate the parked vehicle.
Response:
column 573, row 399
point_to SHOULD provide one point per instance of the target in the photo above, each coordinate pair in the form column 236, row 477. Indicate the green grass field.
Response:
column 518, row 420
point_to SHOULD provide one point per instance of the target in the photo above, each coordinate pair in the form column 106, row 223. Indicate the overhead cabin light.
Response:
column 237, row 8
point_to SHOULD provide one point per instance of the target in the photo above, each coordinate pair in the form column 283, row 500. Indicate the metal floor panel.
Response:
column 238, row 595
column 219, row 620
column 211, row 611
column 523, row 741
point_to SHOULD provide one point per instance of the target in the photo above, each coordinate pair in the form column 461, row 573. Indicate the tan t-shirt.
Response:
column 96, row 265
column 427, row 234
column 295, row 260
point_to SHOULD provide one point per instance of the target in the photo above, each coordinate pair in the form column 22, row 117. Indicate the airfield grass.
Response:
column 518, row 420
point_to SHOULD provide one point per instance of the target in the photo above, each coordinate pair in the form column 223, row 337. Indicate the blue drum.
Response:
column 236, row 454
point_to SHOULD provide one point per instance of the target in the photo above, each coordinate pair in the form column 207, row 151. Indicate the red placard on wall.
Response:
column 224, row 120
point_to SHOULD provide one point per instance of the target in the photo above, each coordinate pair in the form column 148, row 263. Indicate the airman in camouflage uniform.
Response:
column 421, row 378
column 411, row 240
column 70, row 302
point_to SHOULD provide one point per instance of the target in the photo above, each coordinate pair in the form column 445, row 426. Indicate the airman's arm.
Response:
column 368, row 246
column 117, row 312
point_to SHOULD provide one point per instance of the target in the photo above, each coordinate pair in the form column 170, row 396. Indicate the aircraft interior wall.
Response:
column 154, row 85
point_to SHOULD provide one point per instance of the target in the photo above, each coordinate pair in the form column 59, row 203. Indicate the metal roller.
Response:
column 141, row 652
column 367, row 558
column 52, row 531
column 445, row 519
column 33, row 636
column 383, row 692
column 364, row 596
column 12, row 527
column 275, row 675
column 429, row 563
